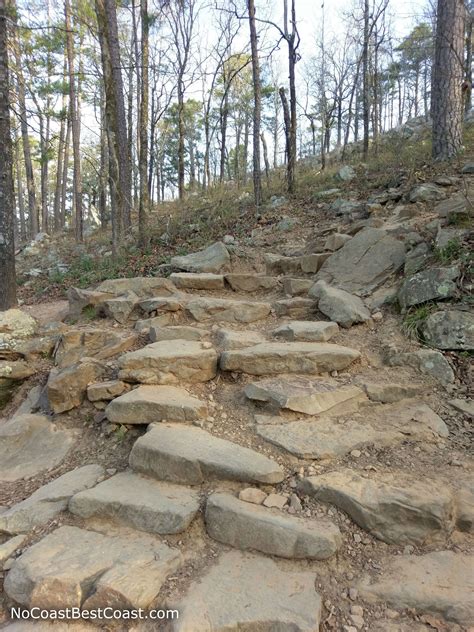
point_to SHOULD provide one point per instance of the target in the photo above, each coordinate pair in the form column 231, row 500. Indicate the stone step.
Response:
column 338, row 305
column 204, row 309
column 441, row 582
column 194, row 281
column 74, row 568
column 327, row 438
column 244, row 526
column 306, row 264
column 189, row 455
column 214, row 259
column 169, row 362
column 252, row 282
column 297, row 307
column 302, row 395
column 139, row 502
column 228, row 339
column 264, row 597
column 394, row 507
column 296, row 287
column 92, row 343
column 158, row 304
column 148, row 404
column 178, row 332
column 49, row 500
column 306, row 331
column 273, row 358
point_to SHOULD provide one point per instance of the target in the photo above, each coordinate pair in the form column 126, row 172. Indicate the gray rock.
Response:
column 144, row 325
column 393, row 507
column 435, row 283
column 121, row 308
column 306, row 331
column 464, row 406
column 174, row 303
column 8, row 548
column 148, row 404
column 213, row 259
column 346, row 173
column 169, row 362
column 66, row 388
column 105, row 391
column 455, row 207
column 441, row 582
column 364, row 262
column 296, row 287
column 267, row 599
column 278, row 264
column 464, row 501
column 428, row 192
column 468, row 168
column 228, row 339
column 450, row 329
column 80, row 300
column 140, row 286
column 416, row 259
column 391, row 393
column 139, row 502
column 30, row 444
column 338, row 305
column 48, row 501
column 248, row 526
column 272, row 358
column 297, row 307
column 428, row 362
column 336, row 241
column 193, row 281
column 225, row 310
column 91, row 342
column 448, row 235
column 251, row 282
column 72, row 567
column 305, row 396
column 189, row 455
column 178, row 332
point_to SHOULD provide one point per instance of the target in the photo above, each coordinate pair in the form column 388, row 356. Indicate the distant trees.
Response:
column 7, row 204
column 447, row 104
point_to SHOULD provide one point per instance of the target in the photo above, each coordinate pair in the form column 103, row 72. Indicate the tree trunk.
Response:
column 365, row 79
column 19, row 186
column 257, row 110
column 448, row 73
column 144, row 201
column 7, row 206
column 59, row 165
column 468, row 70
column 75, row 128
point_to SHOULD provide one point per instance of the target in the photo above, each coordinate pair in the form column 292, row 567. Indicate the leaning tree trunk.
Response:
column 7, row 206
column 446, row 94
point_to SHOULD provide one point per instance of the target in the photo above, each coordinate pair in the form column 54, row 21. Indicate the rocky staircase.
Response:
column 287, row 486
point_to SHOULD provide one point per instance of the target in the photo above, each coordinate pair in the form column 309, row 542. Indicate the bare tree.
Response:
column 144, row 201
column 448, row 72
column 7, row 205
column 257, row 110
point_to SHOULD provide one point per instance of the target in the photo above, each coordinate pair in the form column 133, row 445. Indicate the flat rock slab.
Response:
column 48, row 501
column 66, row 388
column 80, row 300
column 296, row 287
column 92, row 343
column 441, row 582
column 364, row 262
column 302, row 395
column 141, row 286
column 273, row 358
column 394, row 507
column 8, row 548
column 73, row 567
column 203, row 281
column 428, row 285
column 15, row 370
column 248, row 526
column 147, row 404
column 450, row 329
column 173, row 303
column 213, row 259
column 226, row 310
column 263, row 598
column 427, row 361
column 229, row 340
column 338, row 305
column 306, row 331
column 297, row 307
column 30, row 444
column 178, row 332
column 169, row 362
column 391, row 393
column 104, row 391
column 189, row 455
column 251, row 282
column 139, row 502
column 327, row 438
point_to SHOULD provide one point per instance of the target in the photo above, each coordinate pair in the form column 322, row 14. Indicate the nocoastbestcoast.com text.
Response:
column 97, row 614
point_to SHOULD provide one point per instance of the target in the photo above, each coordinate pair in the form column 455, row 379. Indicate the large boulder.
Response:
column 92, row 343
column 364, row 262
column 427, row 361
column 341, row 307
column 213, row 259
column 450, row 329
column 427, row 192
column 245, row 525
column 81, row 300
column 15, row 327
column 393, row 507
column 169, row 362
column 74, row 568
column 346, row 173
column 30, row 444
column 428, row 285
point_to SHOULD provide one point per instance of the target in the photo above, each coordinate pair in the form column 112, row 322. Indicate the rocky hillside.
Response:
column 270, row 433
